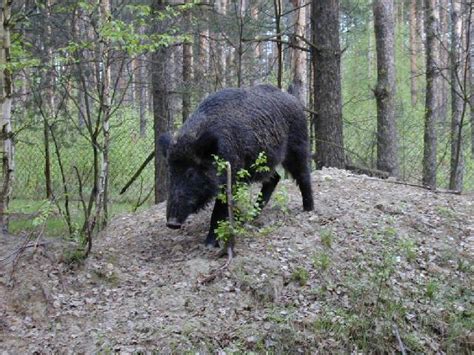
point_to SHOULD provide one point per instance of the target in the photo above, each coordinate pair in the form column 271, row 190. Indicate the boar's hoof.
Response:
column 173, row 224
column 211, row 242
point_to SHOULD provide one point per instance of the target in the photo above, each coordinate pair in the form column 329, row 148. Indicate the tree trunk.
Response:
column 6, row 136
column 326, row 61
column 161, row 117
column 298, row 58
column 51, row 106
column 277, row 4
column 420, row 27
column 106, row 105
column 457, row 94
column 413, row 54
column 187, row 71
column 432, row 101
column 443, row 61
column 257, row 57
column 142, row 93
column 470, row 46
column 201, row 67
column 387, row 146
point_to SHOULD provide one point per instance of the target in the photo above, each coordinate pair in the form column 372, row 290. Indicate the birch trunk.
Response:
column 6, row 135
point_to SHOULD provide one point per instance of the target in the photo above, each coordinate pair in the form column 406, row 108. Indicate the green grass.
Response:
column 24, row 211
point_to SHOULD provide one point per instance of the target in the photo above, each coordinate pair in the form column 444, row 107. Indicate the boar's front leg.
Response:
column 219, row 213
column 268, row 187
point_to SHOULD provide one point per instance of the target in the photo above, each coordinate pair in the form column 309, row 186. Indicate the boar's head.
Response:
column 192, row 175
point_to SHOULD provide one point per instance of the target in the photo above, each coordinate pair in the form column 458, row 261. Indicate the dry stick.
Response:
column 438, row 191
column 138, row 172
column 400, row 343
column 229, row 244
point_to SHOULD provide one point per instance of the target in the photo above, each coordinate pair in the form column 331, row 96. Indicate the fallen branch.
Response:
column 138, row 172
column 438, row 191
column 400, row 343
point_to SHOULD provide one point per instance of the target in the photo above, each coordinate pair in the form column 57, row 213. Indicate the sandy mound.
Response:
column 377, row 266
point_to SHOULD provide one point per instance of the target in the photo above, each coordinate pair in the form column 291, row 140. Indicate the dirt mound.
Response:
column 377, row 267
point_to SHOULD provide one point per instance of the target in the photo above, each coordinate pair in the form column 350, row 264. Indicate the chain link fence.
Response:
column 128, row 151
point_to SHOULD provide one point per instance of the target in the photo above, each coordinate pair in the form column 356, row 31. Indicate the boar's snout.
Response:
column 173, row 223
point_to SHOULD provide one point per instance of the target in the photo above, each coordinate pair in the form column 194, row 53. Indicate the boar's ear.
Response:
column 206, row 145
column 164, row 141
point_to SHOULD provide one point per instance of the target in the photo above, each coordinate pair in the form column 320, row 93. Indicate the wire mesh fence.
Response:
column 71, row 157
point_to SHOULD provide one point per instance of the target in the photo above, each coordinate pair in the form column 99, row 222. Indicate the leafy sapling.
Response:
column 246, row 206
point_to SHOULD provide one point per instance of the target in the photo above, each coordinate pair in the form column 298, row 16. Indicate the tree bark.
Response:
column 457, row 94
column 326, row 61
column 6, row 135
column 413, row 54
column 470, row 46
column 432, row 101
column 277, row 6
column 106, row 105
column 50, row 107
column 142, row 93
column 443, row 60
column 187, row 71
column 161, row 118
column 387, row 141
column 298, row 58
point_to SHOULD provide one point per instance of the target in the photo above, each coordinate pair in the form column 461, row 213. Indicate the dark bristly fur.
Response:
column 236, row 125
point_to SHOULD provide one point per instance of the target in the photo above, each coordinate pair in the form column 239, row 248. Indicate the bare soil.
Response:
column 377, row 267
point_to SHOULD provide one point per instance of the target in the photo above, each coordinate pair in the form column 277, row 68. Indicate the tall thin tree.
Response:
column 432, row 95
column 413, row 53
column 457, row 54
column 161, row 116
column 387, row 145
column 298, row 58
column 326, row 61
column 6, row 136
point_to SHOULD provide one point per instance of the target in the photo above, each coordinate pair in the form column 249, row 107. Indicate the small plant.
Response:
column 321, row 261
column 432, row 288
column 281, row 199
column 409, row 249
column 44, row 212
column 245, row 205
column 326, row 238
column 300, row 275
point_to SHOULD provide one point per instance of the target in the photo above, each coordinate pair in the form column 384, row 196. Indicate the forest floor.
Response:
column 377, row 267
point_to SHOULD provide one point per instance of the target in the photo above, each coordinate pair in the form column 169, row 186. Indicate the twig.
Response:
column 229, row 245
column 439, row 191
column 138, row 172
column 400, row 343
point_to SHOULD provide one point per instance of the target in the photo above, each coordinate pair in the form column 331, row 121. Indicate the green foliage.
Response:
column 409, row 249
column 281, row 198
column 300, row 275
column 245, row 204
column 432, row 288
column 43, row 214
column 326, row 238
column 321, row 261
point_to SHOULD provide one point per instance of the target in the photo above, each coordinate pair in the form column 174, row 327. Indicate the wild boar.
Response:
column 236, row 125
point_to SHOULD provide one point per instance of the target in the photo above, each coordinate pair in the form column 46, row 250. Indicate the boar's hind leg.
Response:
column 219, row 213
column 296, row 163
column 267, row 189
